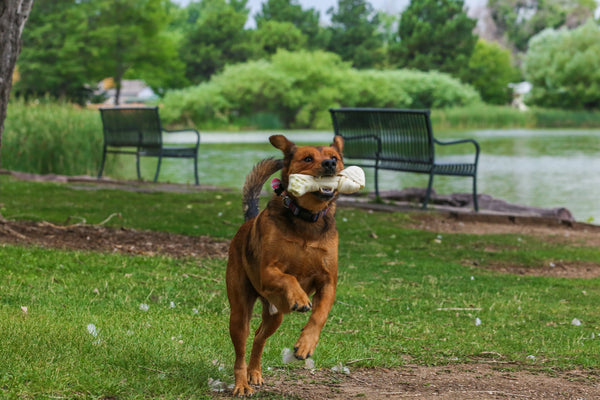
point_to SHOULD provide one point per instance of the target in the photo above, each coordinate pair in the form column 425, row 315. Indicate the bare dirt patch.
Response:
column 463, row 381
column 98, row 238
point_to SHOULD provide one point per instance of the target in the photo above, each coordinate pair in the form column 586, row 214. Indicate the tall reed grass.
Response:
column 484, row 116
column 48, row 137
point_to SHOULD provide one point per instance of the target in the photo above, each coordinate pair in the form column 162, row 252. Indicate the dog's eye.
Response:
column 334, row 158
column 308, row 159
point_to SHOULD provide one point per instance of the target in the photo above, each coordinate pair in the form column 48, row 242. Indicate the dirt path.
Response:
column 465, row 381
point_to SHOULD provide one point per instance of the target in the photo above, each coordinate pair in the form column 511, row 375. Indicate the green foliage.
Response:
column 435, row 35
column 129, row 34
column 45, row 137
column 71, row 45
column 354, row 33
column 518, row 21
column 215, row 38
column 564, row 68
column 434, row 89
column 53, row 60
column 307, row 21
column 300, row 87
column 490, row 71
column 274, row 35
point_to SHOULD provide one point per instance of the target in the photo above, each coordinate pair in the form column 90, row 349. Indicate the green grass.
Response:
column 396, row 288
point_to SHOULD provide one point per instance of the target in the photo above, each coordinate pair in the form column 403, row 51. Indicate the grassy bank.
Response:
column 403, row 294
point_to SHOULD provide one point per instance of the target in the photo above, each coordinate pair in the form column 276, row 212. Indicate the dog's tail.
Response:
column 254, row 183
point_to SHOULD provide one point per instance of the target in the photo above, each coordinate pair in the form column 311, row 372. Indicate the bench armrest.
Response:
column 474, row 142
column 186, row 130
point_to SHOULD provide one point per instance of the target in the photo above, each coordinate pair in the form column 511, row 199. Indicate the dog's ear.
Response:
column 283, row 144
column 338, row 144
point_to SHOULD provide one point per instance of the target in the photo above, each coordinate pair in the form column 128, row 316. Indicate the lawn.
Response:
column 79, row 324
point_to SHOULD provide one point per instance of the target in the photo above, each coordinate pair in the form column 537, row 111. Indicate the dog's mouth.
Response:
column 325, row 193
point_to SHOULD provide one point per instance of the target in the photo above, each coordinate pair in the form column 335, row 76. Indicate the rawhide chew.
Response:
column 350, row 180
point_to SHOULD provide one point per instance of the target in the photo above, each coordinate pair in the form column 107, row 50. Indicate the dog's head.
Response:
column 317, row 161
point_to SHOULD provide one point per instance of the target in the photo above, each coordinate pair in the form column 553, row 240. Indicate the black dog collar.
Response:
column 291, row 205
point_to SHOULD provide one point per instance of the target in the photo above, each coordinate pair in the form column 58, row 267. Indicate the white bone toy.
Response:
column 349, row 180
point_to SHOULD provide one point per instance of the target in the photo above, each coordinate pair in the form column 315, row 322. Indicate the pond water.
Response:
column 541, row 168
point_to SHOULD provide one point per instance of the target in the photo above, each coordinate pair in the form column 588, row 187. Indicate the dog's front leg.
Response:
column 283, row 290
column 323, row 301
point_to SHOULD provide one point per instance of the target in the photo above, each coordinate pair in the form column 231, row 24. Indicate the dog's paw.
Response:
column 299, row 301
column 242, row 390
column 255, row 378
column 305, row 346
column 302, row 308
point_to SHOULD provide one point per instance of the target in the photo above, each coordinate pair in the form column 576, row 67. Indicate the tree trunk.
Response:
column 13, row 14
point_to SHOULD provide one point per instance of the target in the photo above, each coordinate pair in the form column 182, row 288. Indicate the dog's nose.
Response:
column 329, row 165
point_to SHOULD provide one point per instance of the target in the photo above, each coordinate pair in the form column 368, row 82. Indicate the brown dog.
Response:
column 283, row 255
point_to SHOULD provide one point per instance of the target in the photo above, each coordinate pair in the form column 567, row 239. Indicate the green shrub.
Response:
column 490, row 71
column 563, row 66
column 300, row 87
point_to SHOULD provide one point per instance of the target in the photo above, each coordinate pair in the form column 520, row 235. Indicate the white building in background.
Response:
column 132, row 91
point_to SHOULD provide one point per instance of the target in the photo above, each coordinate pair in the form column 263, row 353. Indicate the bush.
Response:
column 298, row 88
column 563, row 67
column 490, row 71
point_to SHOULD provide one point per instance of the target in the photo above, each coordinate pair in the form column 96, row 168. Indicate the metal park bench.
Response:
column 137, row 130
column 397, row 140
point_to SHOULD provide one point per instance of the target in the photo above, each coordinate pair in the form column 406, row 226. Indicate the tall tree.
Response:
column 519, row 20
column 56, row 57
column 215, row 36
column 274, row 35
column 72, row 44
column 435, row 35
column 291, row 11
column 354, row 33
column 128, row 34
column 13, row 15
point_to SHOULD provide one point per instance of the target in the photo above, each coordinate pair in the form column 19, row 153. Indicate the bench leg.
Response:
column 196, row 169
column 428, row 193
column 102, row 163
column 475, row 203
column 376, row 183
column 157, row 168
column 137, row 166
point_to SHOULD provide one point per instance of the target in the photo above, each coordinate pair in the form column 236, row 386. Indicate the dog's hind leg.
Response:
column 239, row 329
column 270, row 323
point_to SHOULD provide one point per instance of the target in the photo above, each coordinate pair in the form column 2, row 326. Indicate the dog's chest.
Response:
column 305, row 257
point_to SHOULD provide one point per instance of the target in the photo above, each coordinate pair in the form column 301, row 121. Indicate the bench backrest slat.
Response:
column 403, row 135
column 132, row 126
